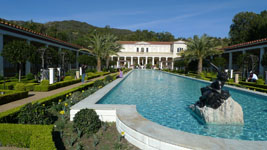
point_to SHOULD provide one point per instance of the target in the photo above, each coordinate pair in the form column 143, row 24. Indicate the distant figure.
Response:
column 83, row 72
column 252, row 77
column 120, row 74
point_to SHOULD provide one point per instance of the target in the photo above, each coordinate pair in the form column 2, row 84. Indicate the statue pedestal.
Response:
column 230, row 112
column 51, row 75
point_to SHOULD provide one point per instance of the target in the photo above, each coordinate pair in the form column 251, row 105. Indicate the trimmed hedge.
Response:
column 12, row 96
column 35, row 137
column 44, row 88
column 253, row 84
column 8, row 85
column 9, row 115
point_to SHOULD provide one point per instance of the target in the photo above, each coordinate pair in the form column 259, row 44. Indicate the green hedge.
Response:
column 12, row 96
column 253, row 84
column 42, row 88
column 8, row 85
column 8, row 116
column 35, row 137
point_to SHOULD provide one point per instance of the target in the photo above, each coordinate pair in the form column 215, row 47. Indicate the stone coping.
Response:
column 228, row 86
column 141, row 131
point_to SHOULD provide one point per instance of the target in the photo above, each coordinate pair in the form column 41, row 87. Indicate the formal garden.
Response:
column 40, row 124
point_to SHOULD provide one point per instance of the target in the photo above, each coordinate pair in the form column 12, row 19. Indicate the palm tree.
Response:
column 200, row 48
column 102, row 46
column 111, row 47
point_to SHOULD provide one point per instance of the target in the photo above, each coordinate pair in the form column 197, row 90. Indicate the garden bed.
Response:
column 63, row 134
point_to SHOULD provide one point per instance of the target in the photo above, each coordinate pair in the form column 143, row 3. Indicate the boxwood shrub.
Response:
column 35, row 137
column 47, row 87
column 11, row 95
column 87, row 121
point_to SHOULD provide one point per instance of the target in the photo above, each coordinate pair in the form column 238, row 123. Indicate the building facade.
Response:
column 157, row 54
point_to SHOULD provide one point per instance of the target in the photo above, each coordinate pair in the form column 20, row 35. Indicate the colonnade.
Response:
column 142, row 61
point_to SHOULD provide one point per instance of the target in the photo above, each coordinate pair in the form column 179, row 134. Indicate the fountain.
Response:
column 216, row 106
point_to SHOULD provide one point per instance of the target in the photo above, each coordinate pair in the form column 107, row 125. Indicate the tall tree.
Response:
column 18, row 52
column 248, row 26
column 111, row 47
column 200, row 48
column 96, row 46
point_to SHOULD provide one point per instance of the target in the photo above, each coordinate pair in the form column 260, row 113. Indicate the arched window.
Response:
column 147, row 50
column 137, row 49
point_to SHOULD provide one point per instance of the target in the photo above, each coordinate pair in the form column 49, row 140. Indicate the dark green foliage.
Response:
column 264, row 60
column 109, row 78
column 35, row 114
column 10, row 96
column 36, row 137
column 148, row 66
column 219, row 61
column 20, row 87
column 87, row 121
column 1, row 77
column 99, row 83
column 87, row 60
column 29, row 76
column 248, row 26
column 18, row 52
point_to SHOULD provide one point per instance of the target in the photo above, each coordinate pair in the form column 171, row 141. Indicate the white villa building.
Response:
column 158, row 54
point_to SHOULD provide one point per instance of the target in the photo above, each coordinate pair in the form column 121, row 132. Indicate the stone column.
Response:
column 131, row 60
column 1, row 57
column 118, row 62
column 77, row 63
column 230, row 61
column 231, row 73
column 146, row 60
column 172, row 64
column 160, row 65
column 125, row 61
column 138, row 60
column 153, row 61
column 51, row 75
column 111, row 58
column 261, row 68
column 28, row 64
column 167, row 62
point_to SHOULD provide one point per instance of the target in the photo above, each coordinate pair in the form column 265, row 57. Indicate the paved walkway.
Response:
column 33, row 96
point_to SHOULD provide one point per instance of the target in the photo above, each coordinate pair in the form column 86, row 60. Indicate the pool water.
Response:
column 164, row 99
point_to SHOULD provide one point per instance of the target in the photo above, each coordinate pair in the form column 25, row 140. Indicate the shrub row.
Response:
column 12, row 96
column 253, row 84
column 9, row 116
column 35, row 137
column 8, row 85
column 45, row 87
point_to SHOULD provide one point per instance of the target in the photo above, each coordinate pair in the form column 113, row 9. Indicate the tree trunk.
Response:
column 107, row 62
column 199, row 68
column 98, row 64
column 19, row 71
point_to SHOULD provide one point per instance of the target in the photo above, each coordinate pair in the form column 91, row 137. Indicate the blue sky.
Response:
column 182, row 18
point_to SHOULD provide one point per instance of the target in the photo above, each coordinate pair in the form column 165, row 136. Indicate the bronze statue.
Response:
column 213, row 95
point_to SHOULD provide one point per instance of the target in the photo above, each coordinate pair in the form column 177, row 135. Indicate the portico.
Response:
column 159, row 55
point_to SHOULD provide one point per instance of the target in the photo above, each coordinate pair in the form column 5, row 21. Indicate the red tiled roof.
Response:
column 45, row 36
column 246, row 44
column 150, row 42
